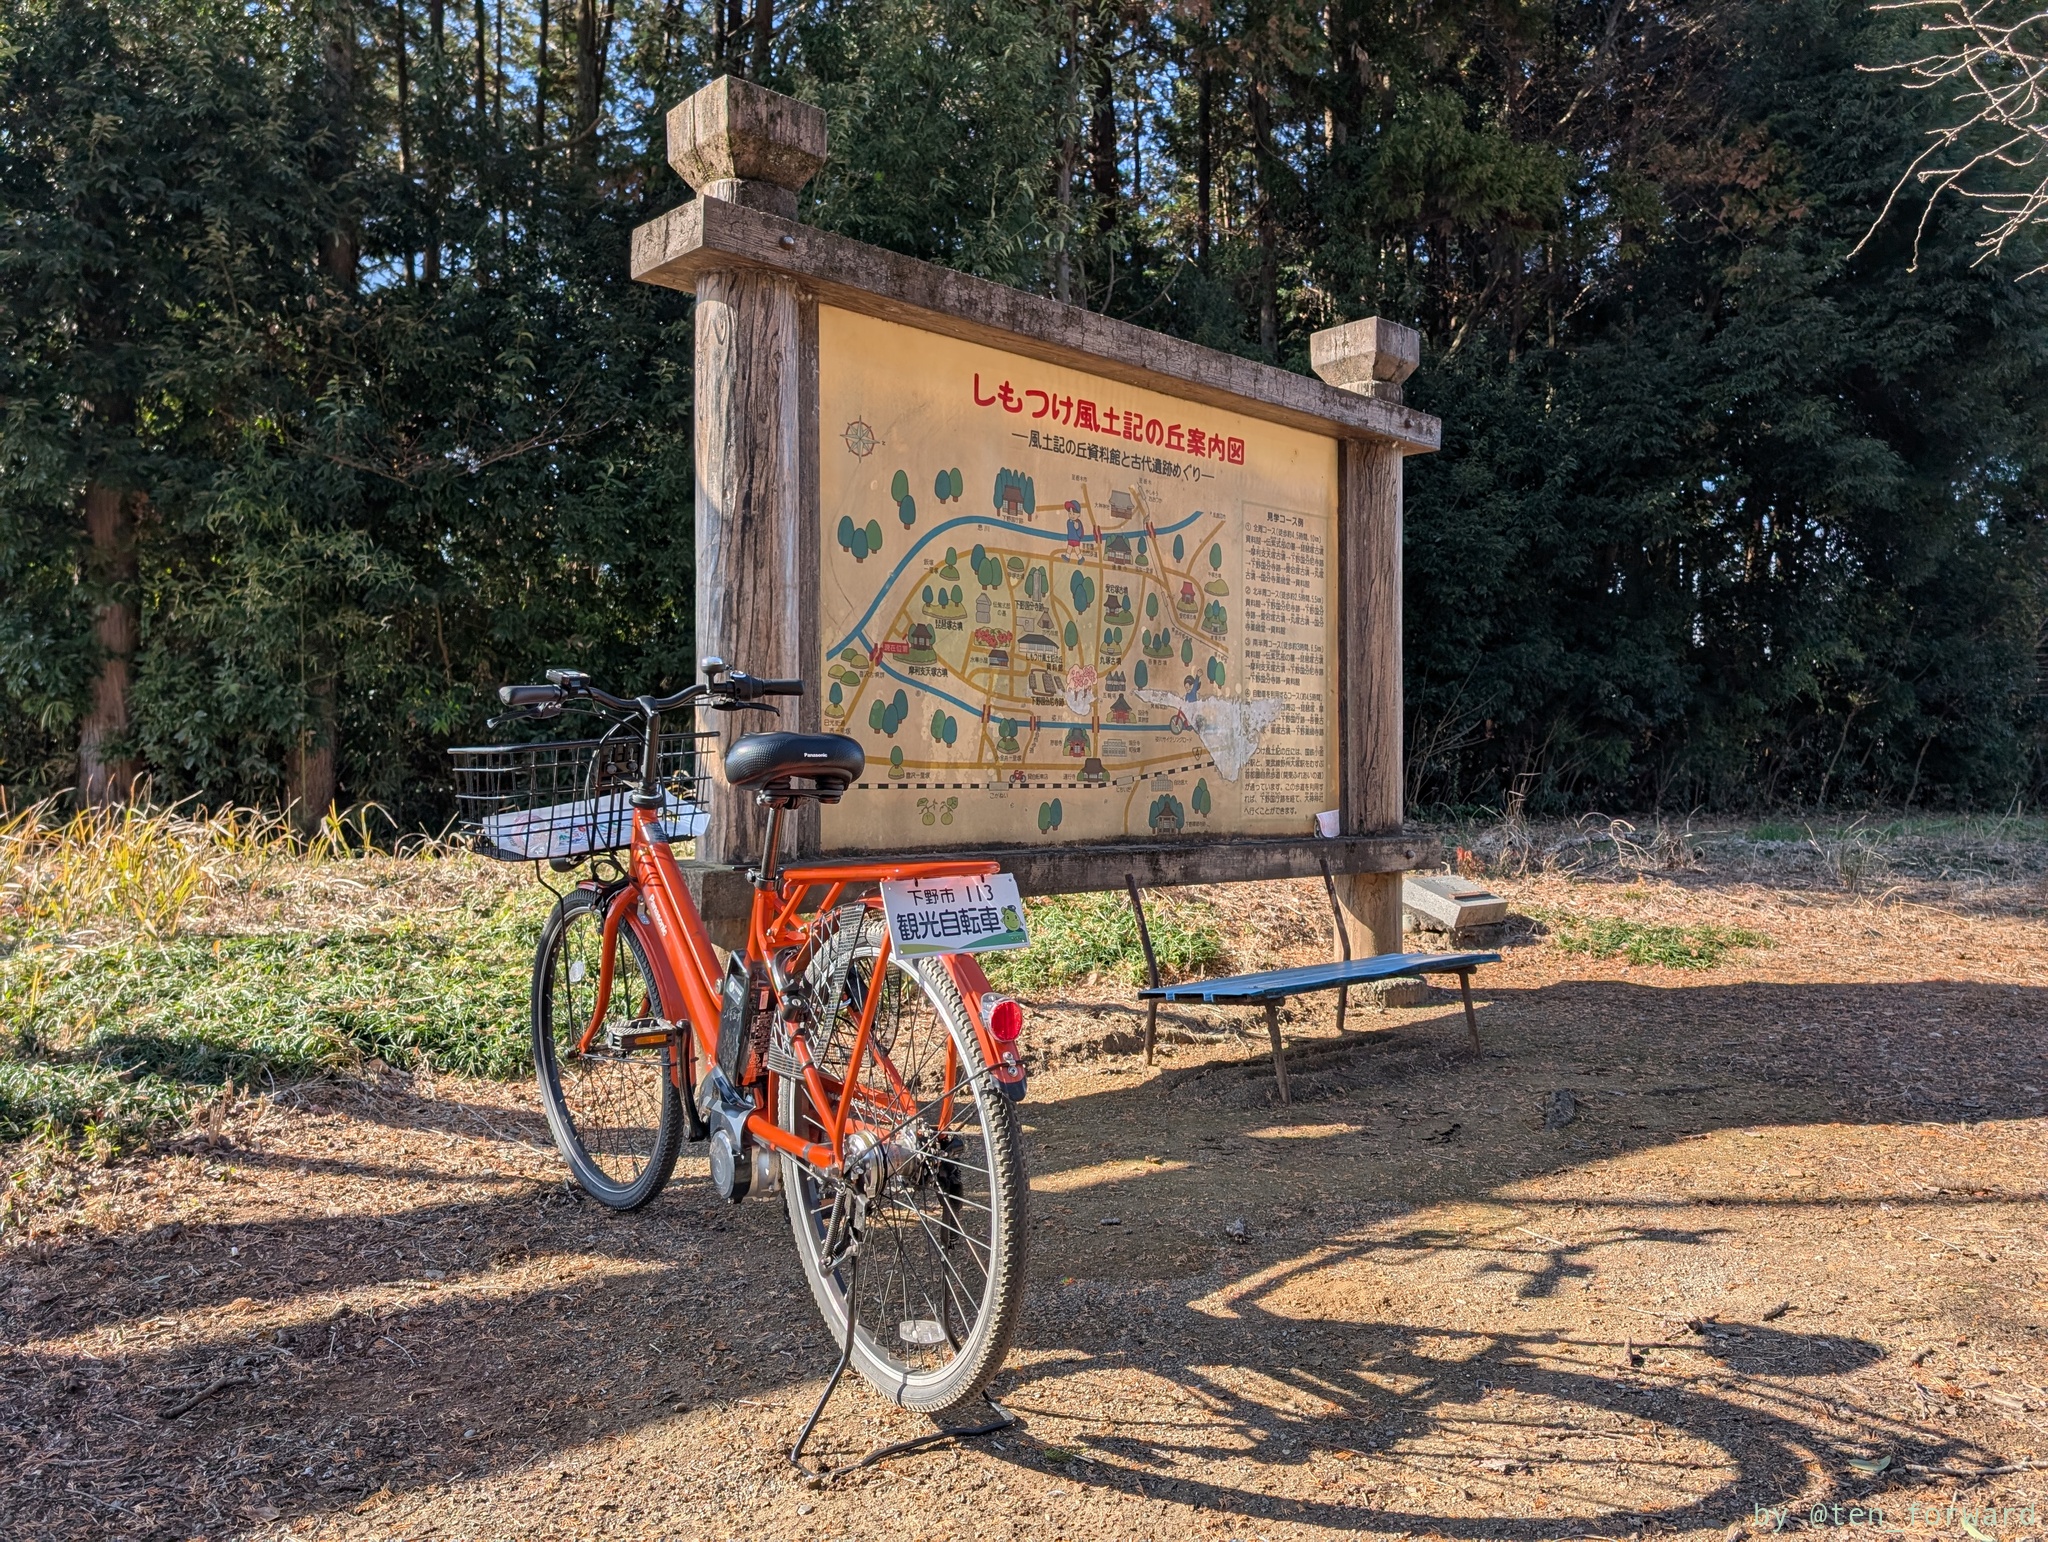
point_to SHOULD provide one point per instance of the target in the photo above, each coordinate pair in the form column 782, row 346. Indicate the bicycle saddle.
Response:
column 768, row 762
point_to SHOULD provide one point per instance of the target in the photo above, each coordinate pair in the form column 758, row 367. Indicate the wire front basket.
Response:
column 572, row 797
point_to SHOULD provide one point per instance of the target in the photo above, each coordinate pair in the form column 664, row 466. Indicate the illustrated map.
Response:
column 1056, row 608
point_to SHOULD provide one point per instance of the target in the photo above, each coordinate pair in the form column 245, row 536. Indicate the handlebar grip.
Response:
column 741, row 686
column 531, row 695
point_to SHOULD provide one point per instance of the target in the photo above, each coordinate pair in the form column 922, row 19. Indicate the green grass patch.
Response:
column 1777, row 830
column 1094, row 937
column 1674, row 947
column 119, row 1039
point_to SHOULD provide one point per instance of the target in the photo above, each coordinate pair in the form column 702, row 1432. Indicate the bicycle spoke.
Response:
column 945, row 1262
column 923, row 1290
column 939, row 1295
column 976, row 1246
column 965, row 1167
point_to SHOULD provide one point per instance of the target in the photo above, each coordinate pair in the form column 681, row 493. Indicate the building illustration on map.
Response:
column 1111, row 619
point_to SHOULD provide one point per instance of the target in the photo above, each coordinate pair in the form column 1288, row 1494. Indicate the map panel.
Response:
column 1055, row 608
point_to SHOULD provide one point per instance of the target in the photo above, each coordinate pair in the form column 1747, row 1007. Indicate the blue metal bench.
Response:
column 1271, row 987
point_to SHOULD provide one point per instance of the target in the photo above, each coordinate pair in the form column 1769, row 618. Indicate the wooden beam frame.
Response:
column 1224, row 859
column 709, row 235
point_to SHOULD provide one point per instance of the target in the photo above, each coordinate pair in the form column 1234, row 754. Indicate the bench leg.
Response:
column 1471, row 1021
column 1151, row 1028
column 1343, row 1002
column 1279, row 1054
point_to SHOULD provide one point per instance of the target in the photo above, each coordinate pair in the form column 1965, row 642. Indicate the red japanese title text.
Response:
column 1091, row 417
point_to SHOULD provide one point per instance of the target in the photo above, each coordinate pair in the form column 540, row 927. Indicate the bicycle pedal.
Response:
column 640, row 1033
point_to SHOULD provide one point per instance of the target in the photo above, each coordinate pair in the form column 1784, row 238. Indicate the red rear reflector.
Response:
column 1005, row 1019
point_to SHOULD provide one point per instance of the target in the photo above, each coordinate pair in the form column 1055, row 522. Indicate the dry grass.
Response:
column 151, row 870
column 1968, row 863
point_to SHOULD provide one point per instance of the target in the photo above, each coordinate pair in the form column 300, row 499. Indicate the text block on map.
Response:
column 1059, row 609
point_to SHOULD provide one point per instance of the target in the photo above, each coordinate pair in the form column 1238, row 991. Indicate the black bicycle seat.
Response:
column 769, row 763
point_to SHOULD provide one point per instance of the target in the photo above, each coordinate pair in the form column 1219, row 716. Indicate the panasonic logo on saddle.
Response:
column 811, row 755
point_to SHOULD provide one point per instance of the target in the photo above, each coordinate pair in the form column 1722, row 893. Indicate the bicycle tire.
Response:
column 617, row 1118
column 926, row 1382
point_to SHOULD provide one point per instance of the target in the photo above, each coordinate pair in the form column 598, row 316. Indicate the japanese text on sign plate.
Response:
column 932, row 925
column 1127, row 423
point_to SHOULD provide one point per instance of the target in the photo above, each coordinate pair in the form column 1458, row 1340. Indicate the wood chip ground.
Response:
column 1782, row 1267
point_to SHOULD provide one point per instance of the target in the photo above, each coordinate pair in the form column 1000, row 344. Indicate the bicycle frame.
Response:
column 655, row 905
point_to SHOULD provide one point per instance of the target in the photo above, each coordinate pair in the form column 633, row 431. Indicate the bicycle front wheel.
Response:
column 940, row 1286
column 615, row 1113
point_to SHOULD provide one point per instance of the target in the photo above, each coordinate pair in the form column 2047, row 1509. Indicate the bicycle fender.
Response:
column 971, row 980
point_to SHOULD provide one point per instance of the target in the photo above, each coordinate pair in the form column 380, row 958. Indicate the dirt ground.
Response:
column 1781, row 1266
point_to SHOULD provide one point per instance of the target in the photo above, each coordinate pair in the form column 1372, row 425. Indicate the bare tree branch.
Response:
column 1991, row 56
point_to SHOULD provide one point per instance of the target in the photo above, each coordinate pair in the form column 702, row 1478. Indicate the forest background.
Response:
column 326, row 404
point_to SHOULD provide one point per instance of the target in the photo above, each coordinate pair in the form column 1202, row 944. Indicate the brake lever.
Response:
column 733, row 704
column 522, row 714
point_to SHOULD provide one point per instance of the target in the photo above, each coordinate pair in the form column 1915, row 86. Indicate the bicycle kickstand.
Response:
column 850, row 1255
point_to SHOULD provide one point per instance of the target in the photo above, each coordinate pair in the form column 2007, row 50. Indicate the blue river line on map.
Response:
column 859, row 632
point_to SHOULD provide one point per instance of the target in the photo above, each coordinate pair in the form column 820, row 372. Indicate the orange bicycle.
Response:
column 852, row 1058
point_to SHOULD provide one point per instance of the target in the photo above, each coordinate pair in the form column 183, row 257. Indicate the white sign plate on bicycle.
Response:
column 954, row 915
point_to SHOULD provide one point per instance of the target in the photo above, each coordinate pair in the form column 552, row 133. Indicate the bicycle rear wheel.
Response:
column 615, row 1113
column 941, row 1280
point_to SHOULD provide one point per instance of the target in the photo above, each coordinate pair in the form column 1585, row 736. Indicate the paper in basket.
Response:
column 577, row 828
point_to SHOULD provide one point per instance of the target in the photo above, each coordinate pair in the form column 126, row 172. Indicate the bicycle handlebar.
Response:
column 533, row 698
column 729, row 689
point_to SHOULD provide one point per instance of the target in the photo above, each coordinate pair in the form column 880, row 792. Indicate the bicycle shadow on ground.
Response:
column 1402, row 1150
column 463, row 1390
column 1387, row 1429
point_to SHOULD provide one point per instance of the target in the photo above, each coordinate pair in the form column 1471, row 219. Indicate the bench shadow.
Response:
column 1925, row 1051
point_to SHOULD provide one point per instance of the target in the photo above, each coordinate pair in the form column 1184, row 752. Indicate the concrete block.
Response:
column 1446, row 902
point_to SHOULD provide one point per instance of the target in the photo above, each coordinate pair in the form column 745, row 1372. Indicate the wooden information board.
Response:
column 1099, row 603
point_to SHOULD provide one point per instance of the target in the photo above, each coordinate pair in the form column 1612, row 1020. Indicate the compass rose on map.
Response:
column 860, row 439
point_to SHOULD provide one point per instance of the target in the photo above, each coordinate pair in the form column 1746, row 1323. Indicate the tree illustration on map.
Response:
column 1015, row 496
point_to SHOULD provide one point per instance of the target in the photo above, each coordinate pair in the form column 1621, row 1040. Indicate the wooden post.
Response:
column 1371, row 358
column 744, row 144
